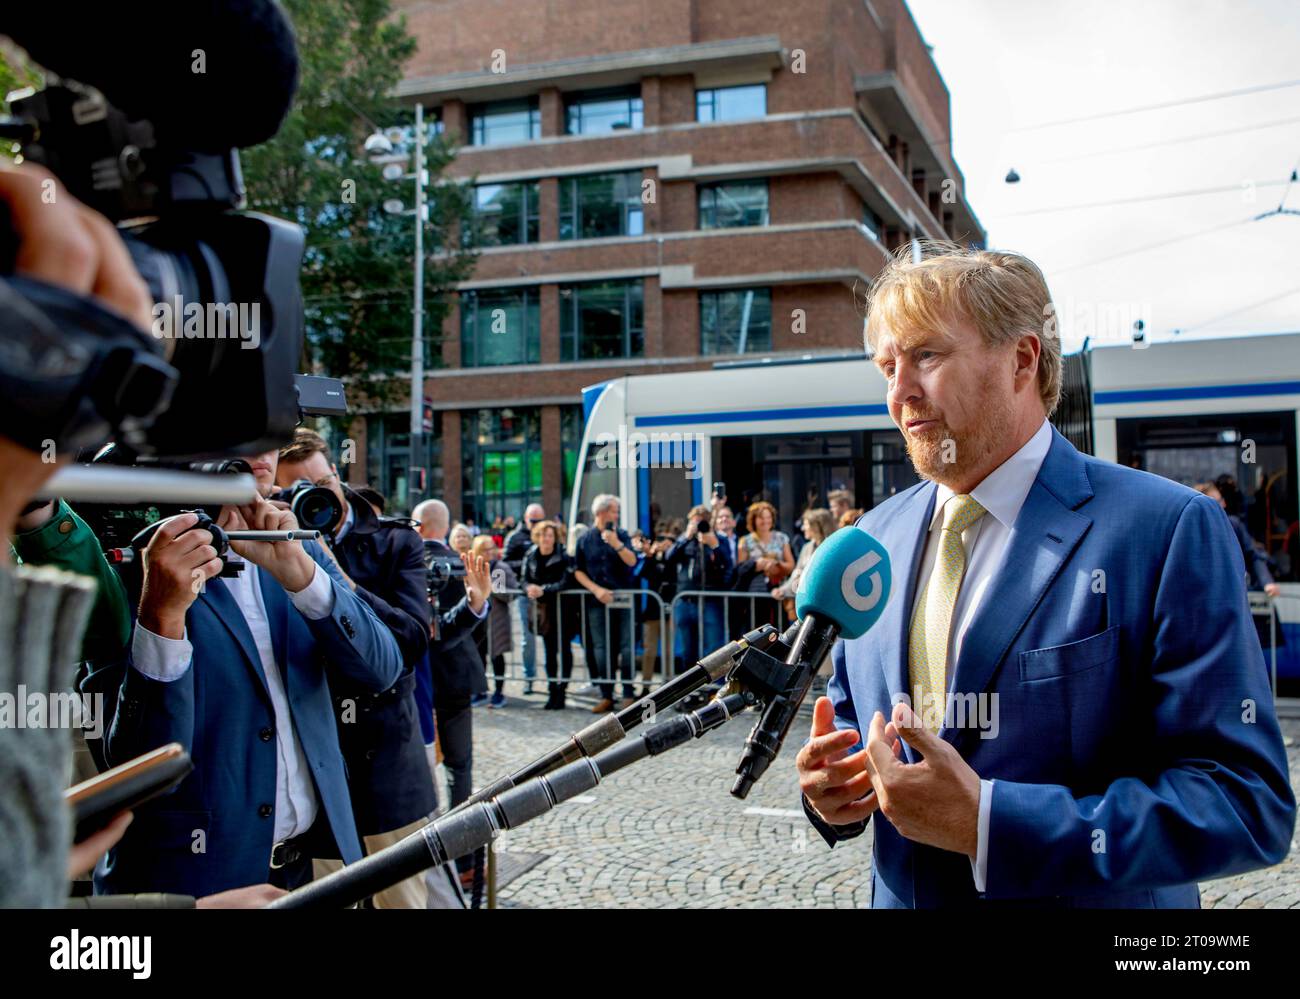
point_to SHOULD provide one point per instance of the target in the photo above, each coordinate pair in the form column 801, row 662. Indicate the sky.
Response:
column 1014, row 66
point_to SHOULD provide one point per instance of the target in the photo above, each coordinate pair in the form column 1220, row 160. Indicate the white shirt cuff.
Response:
column 158, row 658
column 482, row 612
column 315, row 600
column 980, row 865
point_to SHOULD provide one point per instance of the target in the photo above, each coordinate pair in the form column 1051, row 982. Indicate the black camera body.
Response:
column 228, row 312
column 441, row 567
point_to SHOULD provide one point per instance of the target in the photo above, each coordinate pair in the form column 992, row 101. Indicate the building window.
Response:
column 736, row 203
column 505, row 121
column 602, row 204
column 601, row 319
column 504, row 214
column 736, row 321
column 388, row 460
column 872, row 222
column 499, row 326
column 600, row 111
column 501, row 462
column 731, row 103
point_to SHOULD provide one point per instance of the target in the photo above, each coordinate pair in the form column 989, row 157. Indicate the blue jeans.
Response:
column 525, row 611
column 603, row 649
column 693, row 643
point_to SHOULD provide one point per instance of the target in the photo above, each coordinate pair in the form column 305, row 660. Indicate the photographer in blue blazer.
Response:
column 1064, row 702
column 234, row 669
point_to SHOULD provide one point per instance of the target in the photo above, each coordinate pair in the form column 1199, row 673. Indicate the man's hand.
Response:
column 837, row 786
column 533, row 590
column 177, row 563
column 62, row 242
column 1272, row 589
column 603, row 595
column 936, row 801
column 478, row 580
column 286, row 561
column 611, row 538
column 709, row 538
column 252, row 897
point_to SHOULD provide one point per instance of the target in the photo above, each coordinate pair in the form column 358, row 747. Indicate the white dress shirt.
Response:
column 1002, row 493
column 167, row 659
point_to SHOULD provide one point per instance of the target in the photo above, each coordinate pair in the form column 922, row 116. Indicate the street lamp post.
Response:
column 379, row 147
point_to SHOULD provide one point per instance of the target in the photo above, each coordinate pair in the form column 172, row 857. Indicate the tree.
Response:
column 357, row 276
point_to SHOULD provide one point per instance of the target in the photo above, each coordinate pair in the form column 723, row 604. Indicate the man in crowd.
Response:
column 606, row 562
column 701, row 562
column 388, row 773
column 517, row 544
column 235, row 669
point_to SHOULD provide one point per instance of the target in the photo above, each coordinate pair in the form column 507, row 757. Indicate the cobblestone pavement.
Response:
column 666, row 832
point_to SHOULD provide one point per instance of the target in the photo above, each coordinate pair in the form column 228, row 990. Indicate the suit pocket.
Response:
column 1076, row 657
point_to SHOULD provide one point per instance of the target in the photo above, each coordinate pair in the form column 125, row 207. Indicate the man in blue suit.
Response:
column 1064, row 703
column 234, row 669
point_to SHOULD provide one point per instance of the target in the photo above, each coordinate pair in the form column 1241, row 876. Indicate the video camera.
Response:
column 441, row 567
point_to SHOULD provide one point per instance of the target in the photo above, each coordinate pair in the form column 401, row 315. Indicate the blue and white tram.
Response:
column 792, row 429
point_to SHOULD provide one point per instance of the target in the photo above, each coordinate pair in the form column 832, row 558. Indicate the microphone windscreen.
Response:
column 209, row 74
column 848, row 581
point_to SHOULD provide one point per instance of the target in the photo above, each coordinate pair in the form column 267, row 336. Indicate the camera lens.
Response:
column 315, row 508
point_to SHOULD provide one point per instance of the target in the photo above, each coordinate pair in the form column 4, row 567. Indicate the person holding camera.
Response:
column 606, row 562
column 388, row 774
column 659, row 578
column 236, row 670
column 517, row 543
column 701, row 562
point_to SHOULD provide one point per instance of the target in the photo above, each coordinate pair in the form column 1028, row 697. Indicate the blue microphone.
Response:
column 843, row 593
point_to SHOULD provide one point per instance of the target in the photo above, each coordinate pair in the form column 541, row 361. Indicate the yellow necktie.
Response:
column 932, row 621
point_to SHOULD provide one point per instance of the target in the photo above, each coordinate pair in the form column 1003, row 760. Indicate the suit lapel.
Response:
column 276, row 602
column 226, row 610
column 905, row 541
column 1045, row 535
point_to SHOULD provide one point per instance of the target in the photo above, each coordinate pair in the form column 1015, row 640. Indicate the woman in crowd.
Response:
column 764, row 558
column 499, row 639
column 818, row 525
column 545, row 572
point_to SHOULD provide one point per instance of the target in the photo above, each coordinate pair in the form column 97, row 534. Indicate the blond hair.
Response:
column 1003, row 295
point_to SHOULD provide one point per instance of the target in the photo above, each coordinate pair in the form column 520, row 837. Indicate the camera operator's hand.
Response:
column 286, row 561
column 177, row 562
column 62, row 242
column 692, row 529
column 478, row 580
column 709, row 538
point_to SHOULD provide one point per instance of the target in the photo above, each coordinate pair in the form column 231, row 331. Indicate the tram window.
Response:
column 595, row 480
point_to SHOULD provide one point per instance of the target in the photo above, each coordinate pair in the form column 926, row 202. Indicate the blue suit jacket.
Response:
column 1138, row 749
column 213, row 832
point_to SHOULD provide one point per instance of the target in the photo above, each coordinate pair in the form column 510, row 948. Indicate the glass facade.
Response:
column 736, row 203
column 599, row 111
column 602, row 319
column 731, row 103
column 600, row 205
column 736, row 321
column 505, row 214
column 505, row 121
column 501, row 462
column 499, row 326
column 388, row 460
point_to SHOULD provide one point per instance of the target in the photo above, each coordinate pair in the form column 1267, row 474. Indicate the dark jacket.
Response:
column 700, row 567
column 380, row 735
column 518, row 542
column 1257, row 574
column 552, row 573
column 456, row 665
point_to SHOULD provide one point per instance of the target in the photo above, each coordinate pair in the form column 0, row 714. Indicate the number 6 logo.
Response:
column 849, row 582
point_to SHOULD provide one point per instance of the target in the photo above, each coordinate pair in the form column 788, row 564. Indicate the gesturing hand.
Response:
column 935, row 801
column 837, row 785
column 478, row 579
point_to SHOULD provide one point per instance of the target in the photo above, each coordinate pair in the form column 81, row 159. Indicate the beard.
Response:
column 968, row 449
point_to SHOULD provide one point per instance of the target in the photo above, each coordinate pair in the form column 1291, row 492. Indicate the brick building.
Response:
column 661, row 186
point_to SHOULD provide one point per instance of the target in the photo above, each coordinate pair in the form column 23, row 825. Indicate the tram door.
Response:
column 791, row 471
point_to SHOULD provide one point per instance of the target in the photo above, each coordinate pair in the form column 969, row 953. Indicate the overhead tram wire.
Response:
column 1149, row 246
column 1138, row 200
column 1159, row 143
column 1239, row 311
